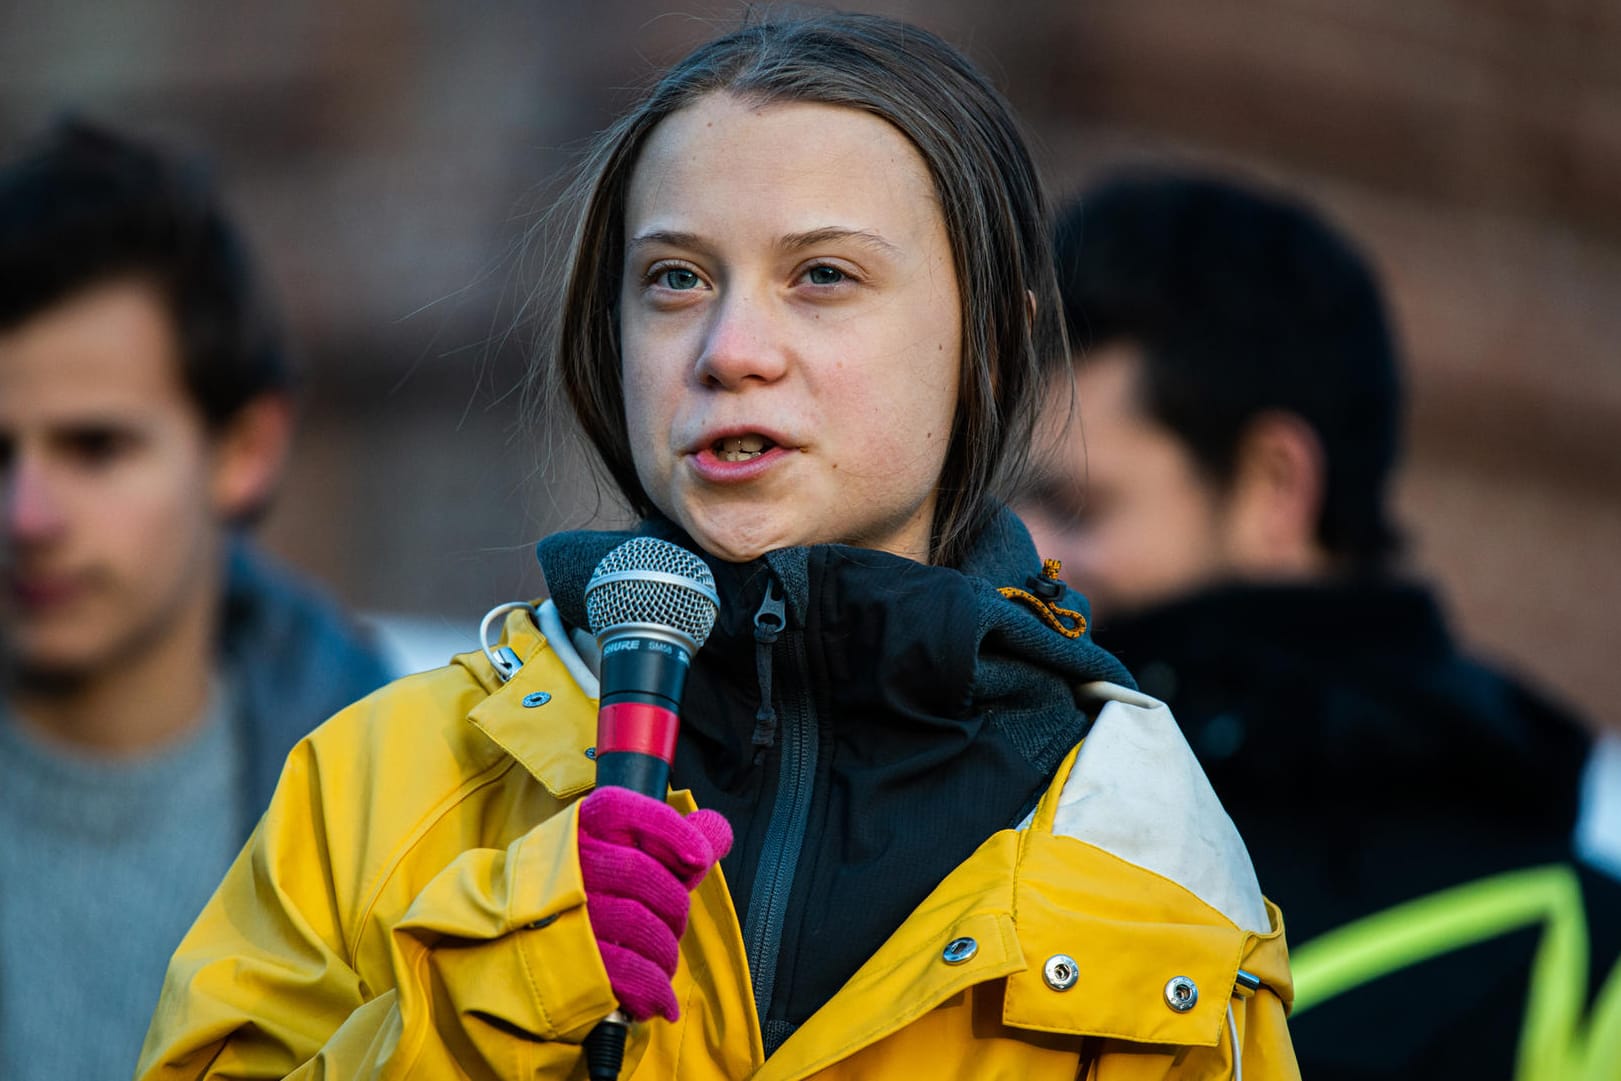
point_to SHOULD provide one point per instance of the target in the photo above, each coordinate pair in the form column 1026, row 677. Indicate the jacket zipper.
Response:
column 790, row 813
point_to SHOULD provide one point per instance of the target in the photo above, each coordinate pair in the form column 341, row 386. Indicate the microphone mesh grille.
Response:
column 652, row 600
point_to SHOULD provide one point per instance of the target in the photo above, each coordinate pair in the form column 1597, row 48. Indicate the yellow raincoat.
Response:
column 411, row 906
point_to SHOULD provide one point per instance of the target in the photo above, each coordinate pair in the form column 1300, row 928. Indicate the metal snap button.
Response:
column 959, row 950
column 539, row 698
column 591, row 753
column 1061, row 972
column 1181, row 994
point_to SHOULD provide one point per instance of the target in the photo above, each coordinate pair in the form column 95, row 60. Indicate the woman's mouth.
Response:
column 737, row 459
column 741, row 448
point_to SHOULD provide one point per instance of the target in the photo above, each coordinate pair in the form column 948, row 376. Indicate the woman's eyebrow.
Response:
column 666, row 237
column 811, row 238
column 791, row 242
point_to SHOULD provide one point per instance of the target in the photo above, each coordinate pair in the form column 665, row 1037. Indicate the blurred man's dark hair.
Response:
column 85, row 205
column 1240, row 303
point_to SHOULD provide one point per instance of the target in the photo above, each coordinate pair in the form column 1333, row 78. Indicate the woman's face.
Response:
column 790, row 328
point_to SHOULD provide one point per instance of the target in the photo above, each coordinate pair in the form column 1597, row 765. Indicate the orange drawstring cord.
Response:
column 1054, row 616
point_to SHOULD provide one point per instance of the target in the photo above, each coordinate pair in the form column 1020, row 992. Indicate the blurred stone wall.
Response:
column 389, row 159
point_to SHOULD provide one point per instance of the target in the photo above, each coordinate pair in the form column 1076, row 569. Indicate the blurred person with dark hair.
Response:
column 156, row 669
column 1224, row 501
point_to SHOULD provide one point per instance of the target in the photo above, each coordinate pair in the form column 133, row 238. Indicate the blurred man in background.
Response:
column 154, row 670
column 1224, row 503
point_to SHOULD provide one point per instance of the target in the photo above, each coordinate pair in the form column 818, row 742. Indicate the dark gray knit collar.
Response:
column 1012, row 638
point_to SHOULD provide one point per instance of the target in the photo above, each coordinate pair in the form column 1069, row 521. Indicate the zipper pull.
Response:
column 772, row 616
column 768, row 624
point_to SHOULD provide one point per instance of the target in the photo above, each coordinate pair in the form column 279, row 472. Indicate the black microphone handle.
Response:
column 645, row 676
column 605, row 1048
column 646, row 774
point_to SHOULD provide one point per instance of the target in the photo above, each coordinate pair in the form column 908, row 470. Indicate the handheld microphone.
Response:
column 651, row 605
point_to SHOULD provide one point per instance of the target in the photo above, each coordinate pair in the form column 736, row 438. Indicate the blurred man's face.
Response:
column 1119, row 498
column 108, row 533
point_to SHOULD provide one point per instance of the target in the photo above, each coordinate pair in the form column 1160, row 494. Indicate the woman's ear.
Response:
column 250, row 452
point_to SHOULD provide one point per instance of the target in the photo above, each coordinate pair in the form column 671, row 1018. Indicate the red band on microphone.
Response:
column 638, row 727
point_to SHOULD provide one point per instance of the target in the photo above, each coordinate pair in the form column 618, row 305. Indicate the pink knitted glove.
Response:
column 639, row 859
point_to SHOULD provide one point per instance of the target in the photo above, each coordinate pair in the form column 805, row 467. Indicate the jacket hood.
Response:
column 1004, row 643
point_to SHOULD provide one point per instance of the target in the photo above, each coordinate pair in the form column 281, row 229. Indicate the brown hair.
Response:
column 990, row 198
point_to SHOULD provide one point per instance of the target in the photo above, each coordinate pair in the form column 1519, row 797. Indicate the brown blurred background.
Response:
column 388, row 159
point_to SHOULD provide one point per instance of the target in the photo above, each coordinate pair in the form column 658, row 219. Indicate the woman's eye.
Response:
column 678, row 278
column 824, row 275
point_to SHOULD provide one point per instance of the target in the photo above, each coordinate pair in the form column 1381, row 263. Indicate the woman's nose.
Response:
column 744, row 344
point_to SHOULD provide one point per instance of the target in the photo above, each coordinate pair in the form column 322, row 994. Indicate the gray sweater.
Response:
column 103, row 867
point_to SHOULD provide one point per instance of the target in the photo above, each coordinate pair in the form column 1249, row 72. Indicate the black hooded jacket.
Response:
column 1367, row 762
column 917, row 711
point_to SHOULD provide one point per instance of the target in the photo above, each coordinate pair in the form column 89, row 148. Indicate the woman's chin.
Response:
column 732, row 552
column 739, row 541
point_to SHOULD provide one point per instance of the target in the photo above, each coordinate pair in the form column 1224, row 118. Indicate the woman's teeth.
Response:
column 741, row 448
